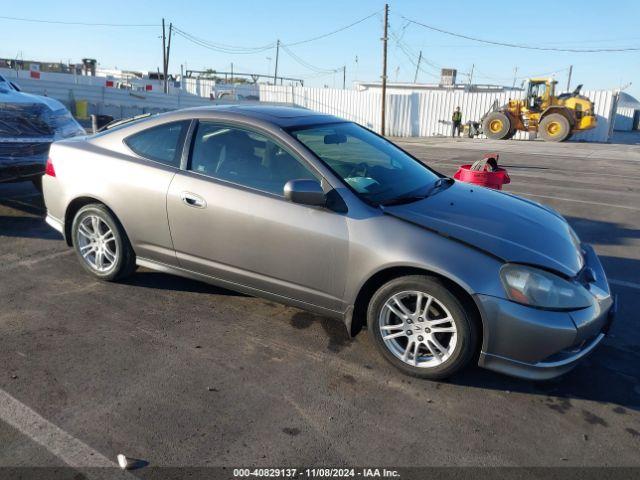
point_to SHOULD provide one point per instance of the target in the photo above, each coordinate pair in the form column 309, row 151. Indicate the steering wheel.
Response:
column 360, row 169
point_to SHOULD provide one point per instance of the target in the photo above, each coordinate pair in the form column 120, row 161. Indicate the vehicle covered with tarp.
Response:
column 28, row 125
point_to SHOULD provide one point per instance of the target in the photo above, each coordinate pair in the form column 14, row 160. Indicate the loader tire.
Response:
column 497, row 126
column 554, row 128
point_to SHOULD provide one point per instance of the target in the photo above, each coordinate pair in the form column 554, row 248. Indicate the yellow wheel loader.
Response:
column 554, row 118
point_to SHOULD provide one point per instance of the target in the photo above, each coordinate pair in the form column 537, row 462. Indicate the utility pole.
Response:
column 473, row 66
column 415, row 78
column 569, row 77
column 166, row 64
column 164, row 56
column 275, row 73
column 344, row 77
column 384, row 68
column 231, row 72
column 515, row 72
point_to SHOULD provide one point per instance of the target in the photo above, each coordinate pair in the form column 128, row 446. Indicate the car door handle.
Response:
column 193, row 200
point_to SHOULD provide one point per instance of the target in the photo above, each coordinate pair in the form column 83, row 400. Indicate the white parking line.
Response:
column 67, row 448
column 624, row 283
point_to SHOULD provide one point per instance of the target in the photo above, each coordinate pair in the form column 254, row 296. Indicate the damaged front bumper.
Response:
column 540, row 344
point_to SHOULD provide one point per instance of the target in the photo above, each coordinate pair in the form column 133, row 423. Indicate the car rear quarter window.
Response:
column 162, row 144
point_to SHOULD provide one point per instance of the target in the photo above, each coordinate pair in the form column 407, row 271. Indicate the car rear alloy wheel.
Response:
column 422, row 327
column 97, row 243
column 418, row 329
column 101, row 244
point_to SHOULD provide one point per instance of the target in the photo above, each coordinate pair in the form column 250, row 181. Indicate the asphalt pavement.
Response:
column 180, row 373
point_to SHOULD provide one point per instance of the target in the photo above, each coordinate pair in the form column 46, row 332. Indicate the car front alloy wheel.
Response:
column 422, row 327
column 418, row 329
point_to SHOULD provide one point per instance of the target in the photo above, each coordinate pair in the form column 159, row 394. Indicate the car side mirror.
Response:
column 305, row 192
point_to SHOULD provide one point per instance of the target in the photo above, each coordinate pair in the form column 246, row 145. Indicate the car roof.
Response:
column 282, row 116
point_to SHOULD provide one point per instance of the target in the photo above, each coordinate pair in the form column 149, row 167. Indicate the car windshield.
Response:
column 378, row 171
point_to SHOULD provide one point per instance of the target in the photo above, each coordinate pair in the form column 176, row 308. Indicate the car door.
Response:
column 229, row 219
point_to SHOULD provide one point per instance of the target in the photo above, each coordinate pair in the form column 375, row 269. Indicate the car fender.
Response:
column 412, row 247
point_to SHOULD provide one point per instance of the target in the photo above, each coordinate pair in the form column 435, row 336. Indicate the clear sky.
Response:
column 252, row 23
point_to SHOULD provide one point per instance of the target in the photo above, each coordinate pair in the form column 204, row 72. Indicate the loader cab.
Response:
column 539, row 94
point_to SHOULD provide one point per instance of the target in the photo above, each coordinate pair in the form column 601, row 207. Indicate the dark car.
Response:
column 28, row 125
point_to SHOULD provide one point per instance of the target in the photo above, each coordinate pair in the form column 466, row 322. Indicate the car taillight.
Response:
column 49, row 170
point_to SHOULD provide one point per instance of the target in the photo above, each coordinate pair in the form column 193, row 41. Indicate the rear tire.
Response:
column 429, row 334
column 497, row 126
column 555, row 127
column 101, row 244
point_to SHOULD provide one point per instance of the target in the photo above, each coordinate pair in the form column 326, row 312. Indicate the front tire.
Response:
column 497, row 126
column 101, row 243
column 421, row 327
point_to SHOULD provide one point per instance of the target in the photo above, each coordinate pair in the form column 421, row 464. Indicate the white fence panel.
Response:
column 624, row 119
column 361, row 107
column 605, row 103
column 199, row 86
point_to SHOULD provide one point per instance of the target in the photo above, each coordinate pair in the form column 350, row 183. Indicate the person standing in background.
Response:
column 457, row 122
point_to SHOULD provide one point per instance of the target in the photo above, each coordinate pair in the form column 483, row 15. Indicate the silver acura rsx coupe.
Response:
column 320, row 213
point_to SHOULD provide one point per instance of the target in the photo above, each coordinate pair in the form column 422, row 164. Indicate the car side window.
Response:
column 161, row 144
column 244, row 157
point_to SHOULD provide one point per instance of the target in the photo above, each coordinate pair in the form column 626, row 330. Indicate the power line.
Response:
column 313, row 75
column 526, row 47
column 522, row 77
column 404, row 48
column 407, row 50
column 88, row 24
column 231, row 49
column 319, row 37
column 221, row 47
column 307, row 64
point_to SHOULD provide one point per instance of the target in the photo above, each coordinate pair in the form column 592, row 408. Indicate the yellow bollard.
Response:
column 82, row 109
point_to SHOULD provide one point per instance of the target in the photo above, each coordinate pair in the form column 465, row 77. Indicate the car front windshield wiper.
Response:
column 402, row 199
column 410, row 198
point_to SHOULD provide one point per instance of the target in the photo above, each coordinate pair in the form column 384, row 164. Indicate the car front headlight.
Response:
column 538, row 288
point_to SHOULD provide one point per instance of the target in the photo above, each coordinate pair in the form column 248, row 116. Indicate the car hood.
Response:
column 504, row 225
